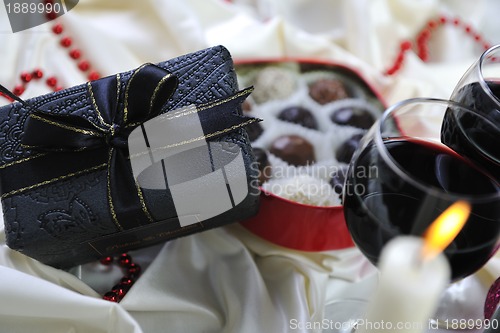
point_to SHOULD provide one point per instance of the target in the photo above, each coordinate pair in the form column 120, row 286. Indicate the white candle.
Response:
column 409, row 288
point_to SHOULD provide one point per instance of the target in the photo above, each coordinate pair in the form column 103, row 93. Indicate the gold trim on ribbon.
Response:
column 108, row 187
column 125, row 108
column 53, row 180
column 118, row 89
column 66, row 127
column 94, row 103
column 22, row 160
column 222, row 101
column 201, row 107
column 60, row 150
column 203, row 137
column 143, row 202
column 155, row 92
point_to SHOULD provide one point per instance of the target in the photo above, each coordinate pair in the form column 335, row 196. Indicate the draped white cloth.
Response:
column 226, row 280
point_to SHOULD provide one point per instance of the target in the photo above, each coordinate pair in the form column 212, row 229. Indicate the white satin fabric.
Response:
column 225, row 280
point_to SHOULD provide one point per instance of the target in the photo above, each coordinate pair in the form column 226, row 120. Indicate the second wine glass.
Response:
column 468, row 133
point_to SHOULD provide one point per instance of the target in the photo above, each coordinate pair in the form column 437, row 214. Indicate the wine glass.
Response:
column 402, row 177
column 479, row 90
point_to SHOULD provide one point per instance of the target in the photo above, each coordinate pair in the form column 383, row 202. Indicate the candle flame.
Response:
column 445, row 228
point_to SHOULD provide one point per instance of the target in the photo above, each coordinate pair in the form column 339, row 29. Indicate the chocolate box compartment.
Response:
column 281, row 221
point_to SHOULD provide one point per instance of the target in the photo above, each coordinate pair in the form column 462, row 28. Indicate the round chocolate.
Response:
column 355, row 117
column 262, row 164
column 298, row 115
column 254, row 130
column 327, row 90
column 246, row 106
column 347, row 149
column 338, row 179
column 273, row 83
column 293, row 149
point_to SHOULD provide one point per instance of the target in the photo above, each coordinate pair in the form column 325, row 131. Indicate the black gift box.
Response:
column 67, row 193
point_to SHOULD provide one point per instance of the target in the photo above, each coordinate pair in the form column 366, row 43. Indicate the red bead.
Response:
column 83, row 65
column 120, row 290
column 134, row 269
column 93, row 76
column 125, row 260
column 57, row 29
column 486, row 46
column 110, row 296
column 468, row 29
column 456, row 21
column 423, row 37
column 406, row 45
column 391, row 71
column 51, row 81
column 106, row 260
column 26, row 77
column 18, row 90
column 477, row 37
column 57, row 88
column 51, row 15
column 126, row 281
column 75, row 54
column 431, row 24
column 37, row 74
column 443, row 20
column 66, row 42
column 400, row 58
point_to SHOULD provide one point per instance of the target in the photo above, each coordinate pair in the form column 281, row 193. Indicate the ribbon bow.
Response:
column 78, row 145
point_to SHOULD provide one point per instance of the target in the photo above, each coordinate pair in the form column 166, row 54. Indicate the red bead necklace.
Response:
column 52, row 82
column 132, row 271
column 422, row 40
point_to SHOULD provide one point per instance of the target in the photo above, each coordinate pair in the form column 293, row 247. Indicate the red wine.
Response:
column 380, row 204
column 471, row 136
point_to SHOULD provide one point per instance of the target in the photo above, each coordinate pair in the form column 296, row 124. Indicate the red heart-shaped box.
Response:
column 294, row 225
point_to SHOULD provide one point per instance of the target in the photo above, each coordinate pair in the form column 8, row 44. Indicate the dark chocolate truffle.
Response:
column 327, row 90
column 298, row 115
column 254, row 130
column 338, row 179
column 293, row 149
column 347, row 149
column 356, row 117
column 263, row 165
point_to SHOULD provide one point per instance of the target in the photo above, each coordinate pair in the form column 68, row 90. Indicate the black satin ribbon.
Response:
column 75, row 144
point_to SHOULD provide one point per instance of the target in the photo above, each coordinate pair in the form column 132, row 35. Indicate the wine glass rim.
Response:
column 482, row 81
column 398, row 169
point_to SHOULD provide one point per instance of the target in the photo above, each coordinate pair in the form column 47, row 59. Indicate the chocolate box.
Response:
column 284, row 84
